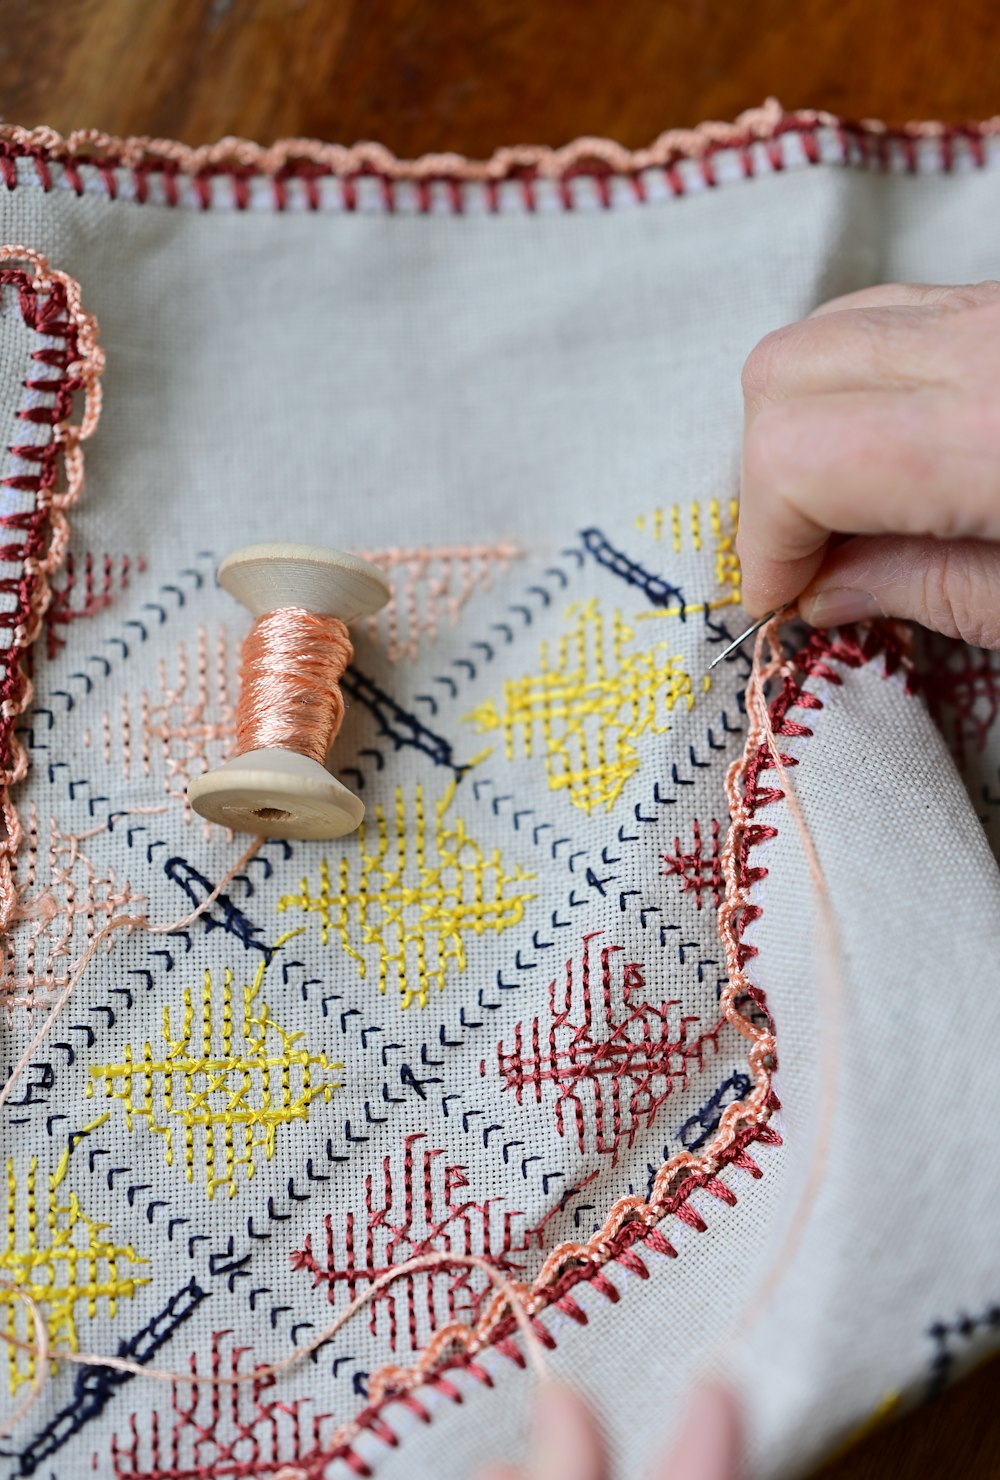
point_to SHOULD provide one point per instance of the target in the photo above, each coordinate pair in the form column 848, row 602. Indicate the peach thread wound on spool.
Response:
column 291, row 706
column 290, row 696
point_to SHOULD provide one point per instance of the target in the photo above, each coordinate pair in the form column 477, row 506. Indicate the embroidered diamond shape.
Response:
column 219, row 1091
column 590, row 701
column 411, row 894
column 62, row 1259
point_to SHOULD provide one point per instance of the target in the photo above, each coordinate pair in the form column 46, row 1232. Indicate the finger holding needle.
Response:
column 871, row 462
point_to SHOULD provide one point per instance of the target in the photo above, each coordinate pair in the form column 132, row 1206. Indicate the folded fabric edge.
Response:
column 760, row 141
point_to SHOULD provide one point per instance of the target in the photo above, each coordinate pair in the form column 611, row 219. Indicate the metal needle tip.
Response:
column 739, row 641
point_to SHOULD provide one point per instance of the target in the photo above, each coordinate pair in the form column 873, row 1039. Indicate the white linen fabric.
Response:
column 487, row 1022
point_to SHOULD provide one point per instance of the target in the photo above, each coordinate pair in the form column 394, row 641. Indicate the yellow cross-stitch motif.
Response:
column 215, row 1096
column 410, row 893
column 589, row 703
column 723, row 520
column 61, row 1258
column 727, row 562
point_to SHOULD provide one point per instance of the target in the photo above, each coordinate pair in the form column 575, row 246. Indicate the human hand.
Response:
column 877, row 419
column 567, row 1443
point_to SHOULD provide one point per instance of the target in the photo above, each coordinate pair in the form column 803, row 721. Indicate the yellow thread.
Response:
column 63, row 1164
column 723, row 523
column 410, row 894
column 696, row 526
column 66, row 1262
column 727, row 564
column 227, row 1096
column 588, row 704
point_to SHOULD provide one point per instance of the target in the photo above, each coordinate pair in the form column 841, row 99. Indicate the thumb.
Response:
column 950, row 586
column 566, row 1442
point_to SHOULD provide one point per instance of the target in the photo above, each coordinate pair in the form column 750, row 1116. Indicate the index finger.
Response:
column 870, row 462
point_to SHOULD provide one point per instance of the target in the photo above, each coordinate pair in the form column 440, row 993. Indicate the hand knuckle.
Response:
column 762, row 370
column 960, row 594
column 974, row 295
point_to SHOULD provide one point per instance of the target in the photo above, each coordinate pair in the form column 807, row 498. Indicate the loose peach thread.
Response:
column 290, row 696
column 325, row 716
column 118, row 922
column 761, row 731
column 44, row 1353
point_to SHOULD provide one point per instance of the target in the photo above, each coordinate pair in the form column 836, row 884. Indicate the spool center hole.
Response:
column 271, row 814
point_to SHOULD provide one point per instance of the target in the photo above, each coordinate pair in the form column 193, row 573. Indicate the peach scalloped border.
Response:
column 310, row 160
column 36, row 540
column 633, row 1221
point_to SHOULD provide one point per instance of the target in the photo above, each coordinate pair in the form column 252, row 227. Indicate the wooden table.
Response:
column 472, row 75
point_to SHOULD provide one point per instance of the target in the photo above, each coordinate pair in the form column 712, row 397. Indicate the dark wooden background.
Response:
column 470, row 75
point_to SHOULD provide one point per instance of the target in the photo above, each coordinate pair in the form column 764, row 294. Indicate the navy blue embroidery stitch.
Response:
column 94, row 1387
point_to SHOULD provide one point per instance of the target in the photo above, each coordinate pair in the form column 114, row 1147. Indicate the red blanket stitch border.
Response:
column 36, row 538
column 49, row 302
column 821, row 657
column 441, row 181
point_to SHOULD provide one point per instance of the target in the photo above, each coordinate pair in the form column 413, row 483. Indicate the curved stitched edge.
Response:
column 633, row 1221
column 309, row 160
column 49, row 303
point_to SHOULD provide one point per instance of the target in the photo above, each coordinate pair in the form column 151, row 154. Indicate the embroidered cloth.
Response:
column 498, row 1020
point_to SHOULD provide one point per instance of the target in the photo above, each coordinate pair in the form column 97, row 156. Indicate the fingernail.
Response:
column 839, row 604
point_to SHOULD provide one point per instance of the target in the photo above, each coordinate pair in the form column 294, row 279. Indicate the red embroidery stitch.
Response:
column 49, row 303
column 699, row 873
column 633, row 1221
column 962, row 688
column 69, row 602
column 221, row 1433
column 590, row 170
column 618, row 1080
column 427, row 1212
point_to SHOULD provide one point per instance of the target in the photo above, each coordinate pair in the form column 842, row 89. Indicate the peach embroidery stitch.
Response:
column 243, row 159
column 61, row 894
column 631, row 1211
column 85, row 145
column 63, row 446
column 430, row 582
column 43, row 1353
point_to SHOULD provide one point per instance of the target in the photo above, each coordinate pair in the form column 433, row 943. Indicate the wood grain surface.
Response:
column 423, row 75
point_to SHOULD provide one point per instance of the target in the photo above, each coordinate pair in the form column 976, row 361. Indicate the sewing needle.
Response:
column 739, row 641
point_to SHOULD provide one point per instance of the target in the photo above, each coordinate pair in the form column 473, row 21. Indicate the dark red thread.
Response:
column 700, row 873
column 757, row 138
column 49, row 304
column 614, row 1066
column 88, row 586
column 419, row 1213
